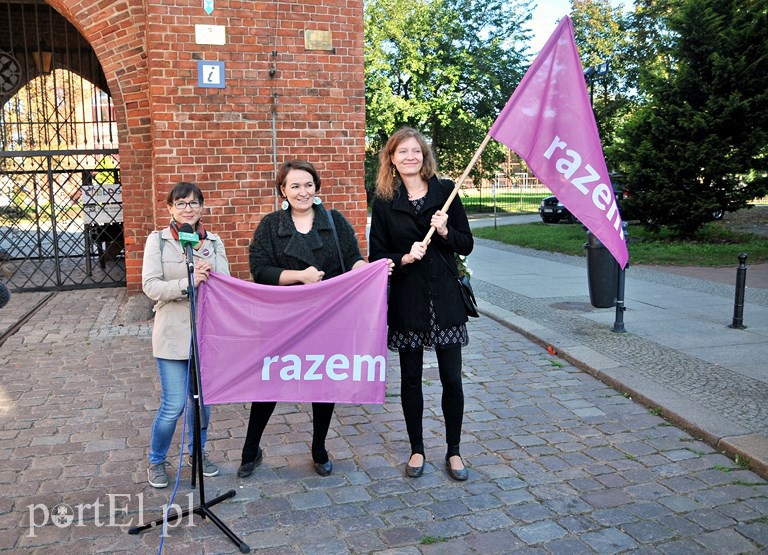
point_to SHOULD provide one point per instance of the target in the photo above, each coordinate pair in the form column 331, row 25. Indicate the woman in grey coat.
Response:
column 165, row 280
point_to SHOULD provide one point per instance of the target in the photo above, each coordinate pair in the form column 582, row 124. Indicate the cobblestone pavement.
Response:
column 559, row 462
column 705, row 383
column 678, row 356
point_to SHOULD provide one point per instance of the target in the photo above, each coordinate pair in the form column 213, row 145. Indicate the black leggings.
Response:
column 411, row 368
column 257, row 422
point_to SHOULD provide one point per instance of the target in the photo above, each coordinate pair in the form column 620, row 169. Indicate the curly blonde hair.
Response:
column 387, row 182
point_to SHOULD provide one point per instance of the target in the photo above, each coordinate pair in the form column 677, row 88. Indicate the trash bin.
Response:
column 602, row 273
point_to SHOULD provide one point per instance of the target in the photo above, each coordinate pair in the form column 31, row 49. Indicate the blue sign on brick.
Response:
column 210, row 75
column 208, row 6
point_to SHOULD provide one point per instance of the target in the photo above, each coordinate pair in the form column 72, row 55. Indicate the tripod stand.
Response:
column 203, row 508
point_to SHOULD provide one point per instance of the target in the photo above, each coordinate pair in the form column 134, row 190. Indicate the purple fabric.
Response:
column 549, row 122
column 323, row 342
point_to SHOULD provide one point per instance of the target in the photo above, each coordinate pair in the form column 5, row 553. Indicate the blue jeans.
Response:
column 173, row 381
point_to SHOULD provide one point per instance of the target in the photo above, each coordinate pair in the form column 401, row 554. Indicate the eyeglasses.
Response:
column 181, row 205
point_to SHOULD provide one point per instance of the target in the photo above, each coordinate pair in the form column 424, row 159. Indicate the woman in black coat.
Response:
column 425, row 305
column 294, row 246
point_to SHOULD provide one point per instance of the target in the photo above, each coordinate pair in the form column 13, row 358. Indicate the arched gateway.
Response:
column 61, row 221
column 104, row 109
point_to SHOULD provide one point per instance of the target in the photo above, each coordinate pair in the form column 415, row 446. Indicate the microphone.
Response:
column 188, row 239
column 187, row 236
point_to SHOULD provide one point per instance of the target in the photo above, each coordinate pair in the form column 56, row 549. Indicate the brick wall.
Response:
column 222, row 139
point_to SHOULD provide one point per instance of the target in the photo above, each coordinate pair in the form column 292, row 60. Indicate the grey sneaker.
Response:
column 209, row 469
column 157, row 476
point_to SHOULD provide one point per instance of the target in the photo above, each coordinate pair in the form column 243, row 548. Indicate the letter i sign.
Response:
column 210, row 75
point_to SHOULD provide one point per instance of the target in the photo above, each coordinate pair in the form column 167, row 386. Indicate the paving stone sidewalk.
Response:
column 560, row 463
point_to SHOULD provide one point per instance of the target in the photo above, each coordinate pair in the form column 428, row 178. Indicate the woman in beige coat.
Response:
column 165, row 281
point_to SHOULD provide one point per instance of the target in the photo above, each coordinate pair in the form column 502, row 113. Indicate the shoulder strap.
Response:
column 336, row 239
column 450, row 268
column 160, row 241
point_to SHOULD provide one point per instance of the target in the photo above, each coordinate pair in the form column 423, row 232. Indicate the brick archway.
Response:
column 287, row 95
column 116, row 34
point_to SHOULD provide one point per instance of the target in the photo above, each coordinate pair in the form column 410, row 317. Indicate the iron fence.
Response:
column 519, row 192
column 61, row 220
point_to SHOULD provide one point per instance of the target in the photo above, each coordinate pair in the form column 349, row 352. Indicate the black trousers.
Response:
column 411, row 369
column 259, row 418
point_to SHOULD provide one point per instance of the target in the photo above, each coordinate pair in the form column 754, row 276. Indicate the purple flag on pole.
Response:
column 549, row 122
column 321, row 342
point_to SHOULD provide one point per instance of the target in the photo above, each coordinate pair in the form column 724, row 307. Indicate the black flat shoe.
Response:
column 246, row 469
column 413, row 471
column 458, row 475
column 324, row 469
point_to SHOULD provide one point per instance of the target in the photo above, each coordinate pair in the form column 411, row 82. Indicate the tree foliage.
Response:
column 601, row 35
column 650, row 41
column 445, row 67
column 699, row 140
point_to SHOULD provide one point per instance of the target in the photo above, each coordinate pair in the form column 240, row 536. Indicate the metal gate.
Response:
column 61, row 221
column 60, row 198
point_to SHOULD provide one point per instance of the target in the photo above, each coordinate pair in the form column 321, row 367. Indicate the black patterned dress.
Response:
column 436, row 337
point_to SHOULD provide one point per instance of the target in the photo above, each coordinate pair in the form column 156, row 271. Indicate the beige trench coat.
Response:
column 164, row 280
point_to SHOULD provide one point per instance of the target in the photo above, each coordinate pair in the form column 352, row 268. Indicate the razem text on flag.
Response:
column 321, row 342
column 549, row 122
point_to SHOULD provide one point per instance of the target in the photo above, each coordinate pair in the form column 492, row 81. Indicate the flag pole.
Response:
column 461, row 180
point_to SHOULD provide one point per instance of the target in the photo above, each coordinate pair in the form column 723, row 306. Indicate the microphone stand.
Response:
column 202, row 509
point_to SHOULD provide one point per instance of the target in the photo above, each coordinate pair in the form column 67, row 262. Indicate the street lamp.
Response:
column 594, row 72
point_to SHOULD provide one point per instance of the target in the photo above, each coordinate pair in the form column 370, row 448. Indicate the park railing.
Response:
column 506, row 193
column 512, row 193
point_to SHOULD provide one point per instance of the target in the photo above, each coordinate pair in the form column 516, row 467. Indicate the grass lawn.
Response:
column 714, row 245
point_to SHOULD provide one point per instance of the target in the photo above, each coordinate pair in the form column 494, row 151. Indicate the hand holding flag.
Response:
column 549, row 122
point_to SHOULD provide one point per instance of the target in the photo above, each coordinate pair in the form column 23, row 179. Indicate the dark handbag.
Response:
column 467, row 295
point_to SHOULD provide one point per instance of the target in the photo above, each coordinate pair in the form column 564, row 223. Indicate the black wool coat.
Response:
column 394, row 229
column 277, row 245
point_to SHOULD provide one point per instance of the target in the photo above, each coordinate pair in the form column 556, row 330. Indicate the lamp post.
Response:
column 594, row 72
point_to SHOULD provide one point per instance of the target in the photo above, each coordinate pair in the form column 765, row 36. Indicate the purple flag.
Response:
column 549, row 122
column 322, row 342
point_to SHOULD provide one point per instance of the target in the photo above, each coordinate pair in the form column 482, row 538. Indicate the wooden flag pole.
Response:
column 461, row 180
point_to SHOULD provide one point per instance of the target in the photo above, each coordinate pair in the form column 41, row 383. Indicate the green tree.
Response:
column 445, row 67
column 699, row 142
column 650, row 40
column 601, row 35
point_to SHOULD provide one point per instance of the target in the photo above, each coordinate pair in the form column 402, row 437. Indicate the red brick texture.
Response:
column 222, row 139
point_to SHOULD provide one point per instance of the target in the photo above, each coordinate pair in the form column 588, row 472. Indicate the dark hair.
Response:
column 182, row 190
column 303, row 165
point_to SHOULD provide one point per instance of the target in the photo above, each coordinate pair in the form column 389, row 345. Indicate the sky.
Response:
column 545, row 18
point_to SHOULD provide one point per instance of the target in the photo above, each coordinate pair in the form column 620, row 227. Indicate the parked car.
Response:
column 552, row 211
